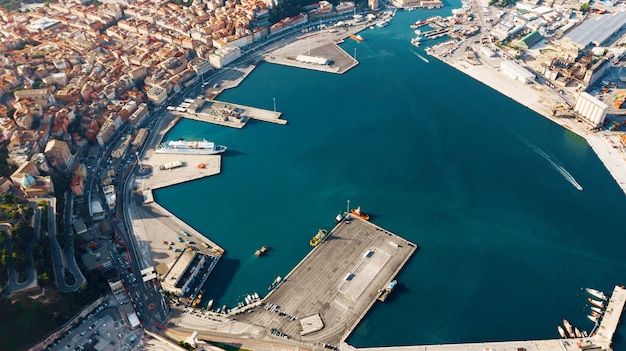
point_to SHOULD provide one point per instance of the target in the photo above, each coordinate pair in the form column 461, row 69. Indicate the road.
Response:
column 70, row 257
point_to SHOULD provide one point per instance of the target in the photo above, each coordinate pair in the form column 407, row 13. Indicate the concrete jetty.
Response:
column 611, row 317
column 321, row 44
column 227, row 114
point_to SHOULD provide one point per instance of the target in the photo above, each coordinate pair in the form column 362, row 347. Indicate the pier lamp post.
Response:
column 274, row 104
column 348, row 207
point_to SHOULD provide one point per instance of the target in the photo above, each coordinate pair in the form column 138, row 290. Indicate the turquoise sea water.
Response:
column 507, row 242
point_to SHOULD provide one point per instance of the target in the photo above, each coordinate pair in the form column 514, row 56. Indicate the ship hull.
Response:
column 166, row 150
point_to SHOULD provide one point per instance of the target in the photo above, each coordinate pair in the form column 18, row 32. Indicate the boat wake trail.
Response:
column 555, row 164
column 420, row 56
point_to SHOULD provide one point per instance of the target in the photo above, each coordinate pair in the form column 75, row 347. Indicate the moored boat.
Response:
column 596, row 293
column 196, row 301
column 561, row 331
column 577, row 333
column 568, row 328
column 339, row 217
column 319, row 237
column 384, row 293
column 356, row 37
column 418, row 24
column 592, row 318
column 357, row 212
column 596, row 309
column 596, row 303
column 195, row 147
column 275, row 283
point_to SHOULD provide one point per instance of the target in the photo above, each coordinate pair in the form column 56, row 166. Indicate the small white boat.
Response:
column 208, row 306
column 596, row 293
column 593, row 319
column 561, row 331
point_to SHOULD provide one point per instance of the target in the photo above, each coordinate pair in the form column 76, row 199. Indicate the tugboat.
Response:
column 357, row 212
column 261, row 251
column 319, row 237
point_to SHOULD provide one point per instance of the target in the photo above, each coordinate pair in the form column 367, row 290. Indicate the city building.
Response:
column 224, row 56
column 58, row 152
column 96, row 211
column 157, row 95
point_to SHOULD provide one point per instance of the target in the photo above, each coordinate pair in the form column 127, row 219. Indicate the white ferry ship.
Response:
column 181, row 146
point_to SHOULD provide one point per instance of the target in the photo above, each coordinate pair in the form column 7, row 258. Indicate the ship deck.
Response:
column 338, row 280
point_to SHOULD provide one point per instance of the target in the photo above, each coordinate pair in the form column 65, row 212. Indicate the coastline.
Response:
column 540, row 99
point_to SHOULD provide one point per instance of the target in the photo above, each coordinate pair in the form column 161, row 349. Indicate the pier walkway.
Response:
column 611, row 317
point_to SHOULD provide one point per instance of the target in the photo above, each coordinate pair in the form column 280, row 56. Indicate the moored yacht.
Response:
column 596, row 293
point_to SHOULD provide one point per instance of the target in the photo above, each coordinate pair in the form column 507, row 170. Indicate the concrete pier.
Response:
column 335, row 284
column 611, row 317
column 227, row 114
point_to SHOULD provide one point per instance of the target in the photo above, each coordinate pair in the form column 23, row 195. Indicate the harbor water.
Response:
column 483, row 185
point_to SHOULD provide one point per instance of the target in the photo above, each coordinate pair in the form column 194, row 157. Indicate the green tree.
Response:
column 584, row 8
column 43, row 277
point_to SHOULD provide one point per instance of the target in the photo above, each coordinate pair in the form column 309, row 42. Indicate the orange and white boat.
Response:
column 356, row 37
column 357, row 212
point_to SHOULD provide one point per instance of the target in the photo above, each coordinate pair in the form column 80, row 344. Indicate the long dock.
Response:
column 611, row 317
column 226, row 114
column 600, row 341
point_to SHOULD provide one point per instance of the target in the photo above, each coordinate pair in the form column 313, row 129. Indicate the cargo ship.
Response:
column 384, row 293
column 356, row 37
column 197, row 147
column 261, row 251
column 319, row 237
